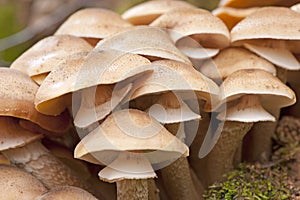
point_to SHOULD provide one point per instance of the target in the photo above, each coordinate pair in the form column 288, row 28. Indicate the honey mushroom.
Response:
column 133, row 140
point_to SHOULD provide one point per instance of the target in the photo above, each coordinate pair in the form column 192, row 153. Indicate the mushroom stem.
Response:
column 132, row 189
column 177, row 175
column 37, row 160
column 220, row 159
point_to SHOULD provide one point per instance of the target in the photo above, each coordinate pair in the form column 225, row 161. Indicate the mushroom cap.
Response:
column 232, row 59
column 199, row 24
column 129, row 130
column 231, row 16
column 127, row 166
column 87, row 70
column 17, row 93
column 92, row 23
column 253, row 3
column 169, row 75
column 272, row 92
column 66, row 193
column 97, row 102
column 18, row 184
column 264, row 24
column 46, row 54
column 279, row 56
column 170, row 108
column 145, row 13
column 139, row 40
column 12, row 135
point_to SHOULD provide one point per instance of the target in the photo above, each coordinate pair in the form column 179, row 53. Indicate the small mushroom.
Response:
column 258, row 91
column 139, row 40
column 171, row 111
column 196, row 32
column 145, row 13
column 17, row 184
column 92, row 24
column 46, row 54
column 128, row 142
column 296, row 7
column 66, row 193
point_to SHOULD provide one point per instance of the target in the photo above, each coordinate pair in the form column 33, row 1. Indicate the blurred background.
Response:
column 24, row 22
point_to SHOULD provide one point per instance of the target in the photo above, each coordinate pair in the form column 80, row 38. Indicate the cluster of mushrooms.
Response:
column 161, row 100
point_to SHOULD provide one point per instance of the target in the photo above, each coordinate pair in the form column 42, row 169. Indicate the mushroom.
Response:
column 46, row 54
column 92, row 24
column 196, row 32
column 145, row 13
column 171, row 111
column 258, row 92
column 139, row 40
column 107, row 67
column 232, row 59
column 273, row 39
column 231, row 16
column 257, row 3
column 34, row 157
column 66, row 193
column 128, row 142
column 17, row 184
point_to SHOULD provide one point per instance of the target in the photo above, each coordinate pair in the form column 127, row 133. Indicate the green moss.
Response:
column 252, row 182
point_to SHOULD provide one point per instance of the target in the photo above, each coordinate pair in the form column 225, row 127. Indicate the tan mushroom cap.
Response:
column 169, row 75
column 46, row 54
column 92, row 23
column 170, row 108
column 17, row 93
column 140, row 40
column 84, row 71
column 231, row 16
column 97, row 102
column 199, row 24
column 253, row 3
column 272, row 92
column 67, row 193
column 296, row 7
column 129, row 130
column 12, row 135
column 145, row 13
column 265, row 24
column 18, row 184
column 232, row 59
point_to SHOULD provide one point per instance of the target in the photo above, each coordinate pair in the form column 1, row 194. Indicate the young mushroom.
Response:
column 196, row 32
column 145, row 13
column 18, row 184
column 46, row 54
column 257, row 92
column 128, row 142
column 92, row 24
column 171, row 111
